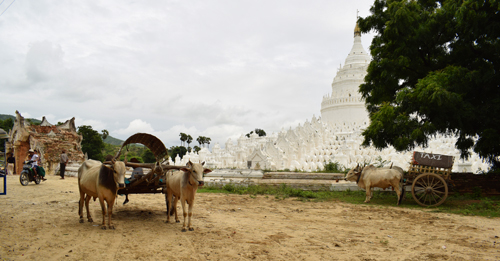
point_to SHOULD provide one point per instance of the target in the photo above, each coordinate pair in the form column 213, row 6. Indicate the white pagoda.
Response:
column 344, row 108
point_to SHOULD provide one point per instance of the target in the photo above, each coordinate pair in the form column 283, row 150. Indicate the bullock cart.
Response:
column 153, row 181
column 429, row 176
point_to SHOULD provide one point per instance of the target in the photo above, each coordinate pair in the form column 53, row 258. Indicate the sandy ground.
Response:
column 40, row 222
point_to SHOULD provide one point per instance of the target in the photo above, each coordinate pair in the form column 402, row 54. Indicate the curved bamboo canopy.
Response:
column 152, row 142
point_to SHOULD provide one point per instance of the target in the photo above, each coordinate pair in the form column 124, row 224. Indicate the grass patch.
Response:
column 464, row 204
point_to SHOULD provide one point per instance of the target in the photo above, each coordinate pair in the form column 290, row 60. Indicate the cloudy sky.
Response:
column 212, row 68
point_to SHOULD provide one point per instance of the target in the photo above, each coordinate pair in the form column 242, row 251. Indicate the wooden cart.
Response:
column 154, row 180
column 429, row 175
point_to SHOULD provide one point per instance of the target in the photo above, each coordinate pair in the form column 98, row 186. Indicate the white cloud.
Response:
column 218, row 69
column 135, row 126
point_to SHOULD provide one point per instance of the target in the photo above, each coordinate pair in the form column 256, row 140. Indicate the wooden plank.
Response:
column 434, row 160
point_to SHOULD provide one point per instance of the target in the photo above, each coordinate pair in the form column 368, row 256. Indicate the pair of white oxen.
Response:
column 102, row 181
column 371, row 177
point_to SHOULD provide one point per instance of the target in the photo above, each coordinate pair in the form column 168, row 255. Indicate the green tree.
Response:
column 177, row 150
column 189, row 139
column 259, row 132
column 183, row 138
column 435, row 70
column 207, row 141
column 201, row 140
column 92, row 142
column 105, row 134
column 148, row 156
column 196, row 149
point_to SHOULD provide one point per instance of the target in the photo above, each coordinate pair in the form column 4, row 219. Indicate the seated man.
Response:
column 137, row 173
column 37, row 165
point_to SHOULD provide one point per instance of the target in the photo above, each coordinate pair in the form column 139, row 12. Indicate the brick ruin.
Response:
column 48, row 139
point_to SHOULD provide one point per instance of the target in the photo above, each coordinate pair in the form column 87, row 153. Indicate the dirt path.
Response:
column 40, row 222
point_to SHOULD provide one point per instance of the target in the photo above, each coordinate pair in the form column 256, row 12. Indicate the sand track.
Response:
column 40, row 222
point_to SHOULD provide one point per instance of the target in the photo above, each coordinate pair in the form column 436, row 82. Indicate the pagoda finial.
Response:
column 357, row 31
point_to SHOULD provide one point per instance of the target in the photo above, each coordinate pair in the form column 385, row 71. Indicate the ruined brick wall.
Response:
column 48, row 139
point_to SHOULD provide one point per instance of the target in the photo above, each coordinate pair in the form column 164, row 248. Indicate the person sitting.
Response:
column 35, row 162
column 137, row 173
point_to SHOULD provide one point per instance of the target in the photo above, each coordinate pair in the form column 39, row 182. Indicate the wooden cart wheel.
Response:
column 429, row 190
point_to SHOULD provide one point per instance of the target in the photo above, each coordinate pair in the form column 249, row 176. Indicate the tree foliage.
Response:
column 202, row 140
column 183, row 138
column 435, row 70
column 148, row 156
column 92, row 142
column 259, row 132
column 177, row 150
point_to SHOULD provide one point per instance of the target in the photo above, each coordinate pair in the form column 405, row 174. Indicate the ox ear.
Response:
column 207, row 171
column 189, row 164
column 184, row 169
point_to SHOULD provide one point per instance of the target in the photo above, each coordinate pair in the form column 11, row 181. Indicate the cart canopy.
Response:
column 153, row 143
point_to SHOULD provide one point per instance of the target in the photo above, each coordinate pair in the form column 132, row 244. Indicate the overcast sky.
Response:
column 212, row 68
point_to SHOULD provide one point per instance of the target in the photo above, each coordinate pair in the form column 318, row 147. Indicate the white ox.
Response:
column 99, row 180
column 370, row 177
column 183, row 185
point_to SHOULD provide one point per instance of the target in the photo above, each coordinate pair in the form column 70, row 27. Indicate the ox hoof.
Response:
column 177, row 221
column 112, row 227
column 183, row 230
column 103, row 227
column 91, row 220
column 191, row 229
column 81, row 221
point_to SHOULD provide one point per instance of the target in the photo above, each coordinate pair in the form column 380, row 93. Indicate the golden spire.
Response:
column 357, row 31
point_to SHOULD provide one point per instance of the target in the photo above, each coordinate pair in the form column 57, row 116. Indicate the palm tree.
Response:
column 183, row 138
column 207, row 140
column 201, row 140
column 189, row 139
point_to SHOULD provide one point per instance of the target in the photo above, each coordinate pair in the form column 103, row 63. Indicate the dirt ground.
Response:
column 40, row 222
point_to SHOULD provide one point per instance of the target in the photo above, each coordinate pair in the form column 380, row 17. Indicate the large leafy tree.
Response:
column 435, row 70
column 92, row 142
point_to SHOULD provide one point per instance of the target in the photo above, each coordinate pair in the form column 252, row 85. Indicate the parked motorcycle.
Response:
column 28, row 174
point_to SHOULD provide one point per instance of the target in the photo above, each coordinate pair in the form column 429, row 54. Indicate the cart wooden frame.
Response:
column 428, row 175
column 154, row 180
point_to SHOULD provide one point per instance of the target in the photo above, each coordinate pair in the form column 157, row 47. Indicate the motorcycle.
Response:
column 28, row 174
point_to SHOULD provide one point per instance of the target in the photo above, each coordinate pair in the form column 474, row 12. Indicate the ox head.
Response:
column 195, row 172
column 118, row 168
column 354, row 173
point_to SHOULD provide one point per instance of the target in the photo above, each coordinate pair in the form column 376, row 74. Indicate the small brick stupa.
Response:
column 48, row 139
